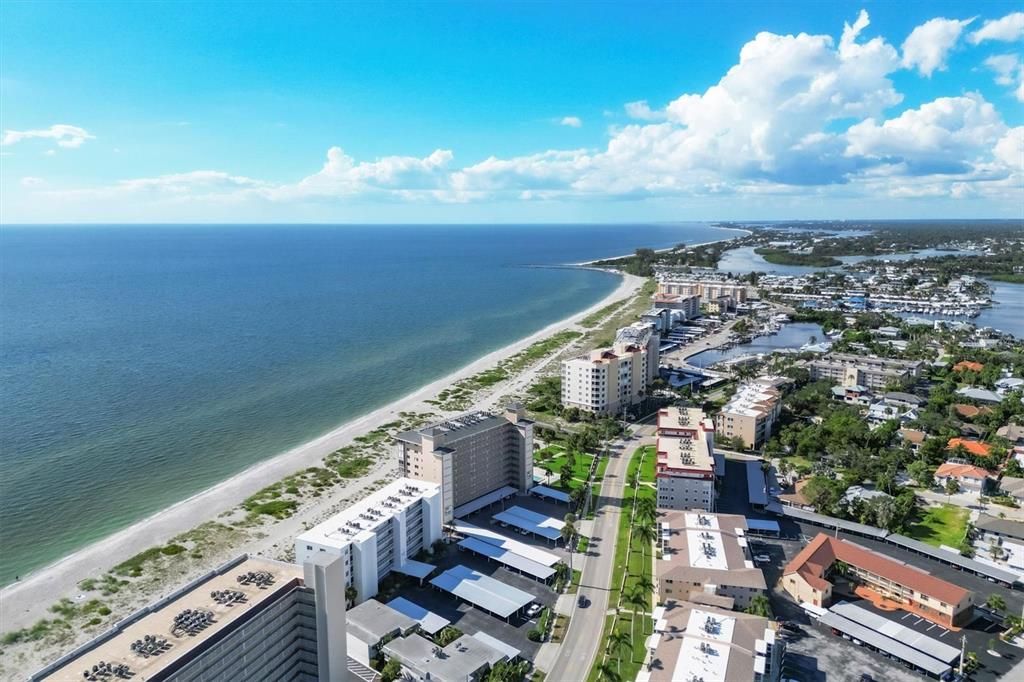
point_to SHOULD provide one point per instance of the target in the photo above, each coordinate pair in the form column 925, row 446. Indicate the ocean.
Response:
column 143, row 364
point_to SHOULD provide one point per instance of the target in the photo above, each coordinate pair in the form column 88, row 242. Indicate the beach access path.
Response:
column 25, row 602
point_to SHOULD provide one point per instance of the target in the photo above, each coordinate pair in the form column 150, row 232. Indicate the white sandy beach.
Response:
column 24, row 602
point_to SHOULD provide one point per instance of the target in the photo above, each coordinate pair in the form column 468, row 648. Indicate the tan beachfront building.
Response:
column 470, row 456
column 609, row 381
column 706, row 554
column 809, row 576
column 751, row 413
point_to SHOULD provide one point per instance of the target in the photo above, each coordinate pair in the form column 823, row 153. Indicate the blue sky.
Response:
column 488, row 111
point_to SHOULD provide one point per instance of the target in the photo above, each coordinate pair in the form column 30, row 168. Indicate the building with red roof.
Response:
column 809, row 578
column 968, row 366
column 974, row 447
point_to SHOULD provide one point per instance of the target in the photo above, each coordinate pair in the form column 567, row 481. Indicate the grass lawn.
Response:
column 638, row 560
column 580, row 469
column 942, row 525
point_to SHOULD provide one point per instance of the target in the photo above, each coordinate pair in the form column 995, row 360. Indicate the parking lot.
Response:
column 467, row 617
column 839, row 659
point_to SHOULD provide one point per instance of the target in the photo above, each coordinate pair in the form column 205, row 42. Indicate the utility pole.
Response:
column 963, row 652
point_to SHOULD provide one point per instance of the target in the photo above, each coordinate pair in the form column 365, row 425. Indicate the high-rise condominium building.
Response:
column 379, row 534
column 609, row 381
column 470, row 456
column 686, row 462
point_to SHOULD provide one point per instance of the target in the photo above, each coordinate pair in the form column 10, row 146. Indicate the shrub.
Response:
column 172, row 549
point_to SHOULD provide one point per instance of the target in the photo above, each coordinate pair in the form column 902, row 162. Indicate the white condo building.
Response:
column 610, row 380
column 379, row 534
column 686, row 462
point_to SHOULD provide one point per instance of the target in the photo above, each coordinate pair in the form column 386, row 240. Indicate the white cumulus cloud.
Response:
column 928, row 45
column 1007, row 30
column 642, row 111
column 65, row 135
column 571, row 121
column 1009, row 71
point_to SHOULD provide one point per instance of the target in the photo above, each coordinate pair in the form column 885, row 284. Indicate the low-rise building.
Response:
column 973, row 447
column 685, row 470
column 609, row 381
column 697, row 641
column 853, row 395
column 706, row 553
column 1012, row 487
column 872, row 372
column 810, row 576
column 372, row 623
column 471, row 455
column 750, row 414
column 970, row 478
column 913, row 437
column 381, row 533
column 467, row 659
column 981, row 395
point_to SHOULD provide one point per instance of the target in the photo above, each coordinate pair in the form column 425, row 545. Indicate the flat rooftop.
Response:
column 687, row 454
column 454, row 663
column 707, row 549
column 360, row 521
column 115, row 645
column 707, row 643
column 462, row 426
column 372, row 621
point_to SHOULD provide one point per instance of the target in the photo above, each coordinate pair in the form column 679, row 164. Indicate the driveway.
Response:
column 583, row 639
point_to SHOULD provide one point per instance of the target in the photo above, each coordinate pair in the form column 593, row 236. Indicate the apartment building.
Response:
column 697, row 641
column 706, row 554
column 267, row 620
column 809, row 578
column 471, row 455
column 707, row 289
column 379, row 534
column 687, row 307
column 685, row 469
column 751, row 413
column 872, row 373
column 609, row 381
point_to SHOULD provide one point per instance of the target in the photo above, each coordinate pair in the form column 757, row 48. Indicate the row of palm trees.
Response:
column 642, row 528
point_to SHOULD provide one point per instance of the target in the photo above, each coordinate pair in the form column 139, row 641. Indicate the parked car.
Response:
column 762, row 558
column 533, row 609
column 791, row 626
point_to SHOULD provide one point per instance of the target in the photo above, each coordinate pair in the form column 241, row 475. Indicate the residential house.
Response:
column 970, row 478
column 968, row 366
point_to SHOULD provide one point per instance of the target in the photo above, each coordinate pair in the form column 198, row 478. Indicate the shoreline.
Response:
column 747, row 233
column 24, row 601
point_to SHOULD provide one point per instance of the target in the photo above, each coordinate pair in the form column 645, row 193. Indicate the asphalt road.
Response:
column 583, row 639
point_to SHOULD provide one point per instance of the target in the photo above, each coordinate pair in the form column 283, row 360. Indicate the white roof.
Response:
column 705, row 650
column 545, row 491
column 510, row 559
column 521, row 548
column 360, row 521
column 482, row 591
column 538, row 524
column 429, row 621
column 496, row 643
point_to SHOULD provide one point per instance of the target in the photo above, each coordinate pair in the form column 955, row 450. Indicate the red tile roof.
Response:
column 968, row 366
column 970, row 411
column 824, row 550
column 952, row 469
column 976, row 448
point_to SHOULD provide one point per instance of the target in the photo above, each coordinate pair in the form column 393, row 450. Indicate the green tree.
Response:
column 568, row 532
column 448, row 635
column 951, row 488
column 617, row 641
column 921, row 473
column 646, row 534
column 391, row 671
column 760, row 606
column 995, row 602
column 638, row 601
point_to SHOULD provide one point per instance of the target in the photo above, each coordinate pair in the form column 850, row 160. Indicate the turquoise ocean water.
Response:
column 142, row 364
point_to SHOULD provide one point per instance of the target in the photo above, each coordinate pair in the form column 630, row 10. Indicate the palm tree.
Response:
column 638, row 601
column 605, row 671
column 646, row 509
column 644, row 583
column 568, row 531
column 995, row 602
column 616, row 642
column 647, row 535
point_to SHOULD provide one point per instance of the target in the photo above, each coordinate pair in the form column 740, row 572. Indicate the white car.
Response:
column 762, row 558
column 533, row 609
